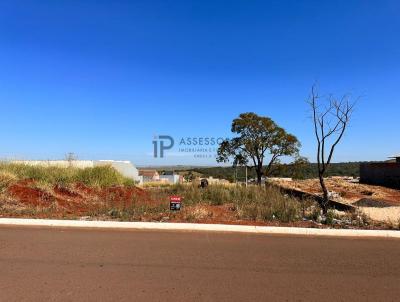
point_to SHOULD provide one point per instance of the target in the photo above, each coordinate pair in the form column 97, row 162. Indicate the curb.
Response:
column 198, row 227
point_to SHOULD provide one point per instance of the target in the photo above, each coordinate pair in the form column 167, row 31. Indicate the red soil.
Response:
column 28, row 195
column 66, row 193
column 77, row 199
column 80, row 187
column 226, row 214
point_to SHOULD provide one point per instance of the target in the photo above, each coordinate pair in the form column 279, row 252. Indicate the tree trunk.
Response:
column 259, row 176
column 325, row 197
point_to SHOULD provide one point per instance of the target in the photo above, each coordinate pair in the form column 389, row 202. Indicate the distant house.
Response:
column 213, row 181
column 171, row 177
column 148, row 175
column 385, row 174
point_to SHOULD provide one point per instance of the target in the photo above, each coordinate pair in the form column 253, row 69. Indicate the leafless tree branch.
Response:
column 330, row 119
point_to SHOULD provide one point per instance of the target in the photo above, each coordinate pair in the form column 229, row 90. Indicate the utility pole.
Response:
column 246, row 176
column 236, row 174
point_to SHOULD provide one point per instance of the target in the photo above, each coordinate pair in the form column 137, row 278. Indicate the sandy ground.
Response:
column 390, row 214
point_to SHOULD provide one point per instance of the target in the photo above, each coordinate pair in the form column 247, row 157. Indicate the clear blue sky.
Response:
column 100, row 78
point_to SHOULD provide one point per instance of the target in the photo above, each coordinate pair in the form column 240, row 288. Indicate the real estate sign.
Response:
column 175, row 203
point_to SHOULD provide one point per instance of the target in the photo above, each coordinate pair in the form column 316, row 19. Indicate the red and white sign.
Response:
column 176, row 199
column 175, row 203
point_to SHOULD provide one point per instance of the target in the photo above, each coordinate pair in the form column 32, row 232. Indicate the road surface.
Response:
column 43, row 264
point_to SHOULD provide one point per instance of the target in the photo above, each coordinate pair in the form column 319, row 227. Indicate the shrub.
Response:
column 330, row 216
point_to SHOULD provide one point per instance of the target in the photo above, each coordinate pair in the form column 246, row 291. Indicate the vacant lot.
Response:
column 102, row 193
column 379, row 203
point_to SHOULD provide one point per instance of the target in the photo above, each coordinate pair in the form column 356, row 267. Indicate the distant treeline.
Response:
column 298, row 171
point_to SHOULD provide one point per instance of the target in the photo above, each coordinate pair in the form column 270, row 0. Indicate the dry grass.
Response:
column 253, row 203
column 156, row 184
column 6, row 178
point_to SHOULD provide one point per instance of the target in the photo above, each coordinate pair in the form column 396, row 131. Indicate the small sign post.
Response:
column 175, row 203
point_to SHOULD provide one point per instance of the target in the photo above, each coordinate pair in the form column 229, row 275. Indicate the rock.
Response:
column 333, row 195
column 321, row 219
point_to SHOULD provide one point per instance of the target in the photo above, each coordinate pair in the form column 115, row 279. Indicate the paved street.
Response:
column 43, row 264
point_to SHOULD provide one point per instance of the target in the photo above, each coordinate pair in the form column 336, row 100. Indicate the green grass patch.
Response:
column 102, row 176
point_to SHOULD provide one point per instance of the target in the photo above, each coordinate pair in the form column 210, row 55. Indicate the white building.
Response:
column 171, row 178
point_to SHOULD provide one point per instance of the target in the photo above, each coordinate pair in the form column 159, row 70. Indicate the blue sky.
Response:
column 101, row 78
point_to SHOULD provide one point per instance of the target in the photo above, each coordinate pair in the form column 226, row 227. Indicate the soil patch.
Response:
column 29, row 195
column 369, row 202
column 66, row 192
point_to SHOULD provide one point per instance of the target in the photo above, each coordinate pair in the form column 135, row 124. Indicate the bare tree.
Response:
column 331, row 117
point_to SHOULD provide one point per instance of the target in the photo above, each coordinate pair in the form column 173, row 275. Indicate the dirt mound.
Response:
column 32, row 196
column 84, row 189
column 77, row 198
column 66, row 192
column 369, row 202
column 125, row 195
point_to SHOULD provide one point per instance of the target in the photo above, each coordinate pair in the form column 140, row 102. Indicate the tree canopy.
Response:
column 258, row 139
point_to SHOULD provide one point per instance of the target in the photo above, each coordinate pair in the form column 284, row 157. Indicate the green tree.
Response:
column 299, row 166
column 258, row 139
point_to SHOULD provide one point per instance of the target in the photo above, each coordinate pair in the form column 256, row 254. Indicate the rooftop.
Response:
column 148, row 173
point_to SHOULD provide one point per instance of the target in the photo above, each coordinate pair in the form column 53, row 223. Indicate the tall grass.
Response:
column 253, row 202
column 101, row 176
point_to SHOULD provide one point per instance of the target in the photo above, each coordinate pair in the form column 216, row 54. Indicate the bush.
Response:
column 330, row 216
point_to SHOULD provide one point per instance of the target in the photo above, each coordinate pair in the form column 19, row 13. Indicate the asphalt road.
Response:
column 110, row 265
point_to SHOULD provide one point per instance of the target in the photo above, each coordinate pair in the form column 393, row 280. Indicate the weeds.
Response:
column 253, row 202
